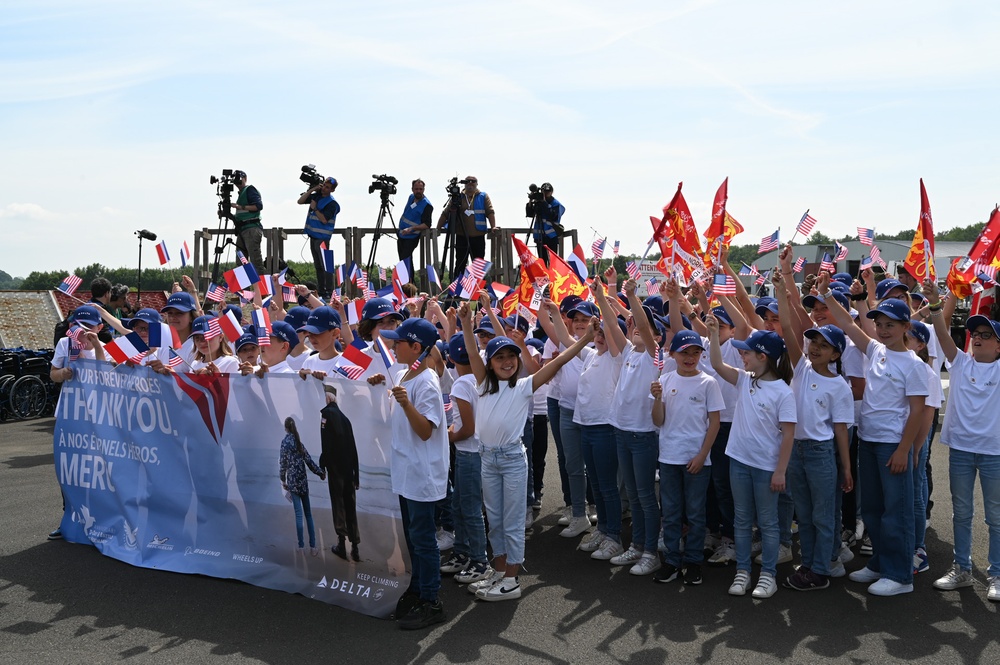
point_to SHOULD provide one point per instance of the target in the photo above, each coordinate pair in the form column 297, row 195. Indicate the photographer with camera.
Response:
column 246, row 219
column 320, row 222
column 475, row 211
column 416, row 219
column 546, row 223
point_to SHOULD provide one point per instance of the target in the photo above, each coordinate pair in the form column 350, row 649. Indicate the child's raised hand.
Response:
column 656, row 389
column 611, row 275
column 483, row 298
column 696, row 289
column 629, row 286
column 670, row 289
column 592, row 328
column 375, row 379
column 823, row 282
column 712, row 324
column 930, row 292
column 465, row 313
column 785, row 258
column 399, row 393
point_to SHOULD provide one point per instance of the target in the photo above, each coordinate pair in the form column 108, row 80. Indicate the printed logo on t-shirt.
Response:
column 696, row 399
column 821, row 404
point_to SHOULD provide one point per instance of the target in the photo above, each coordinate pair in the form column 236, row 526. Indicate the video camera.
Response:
column 383, row 183
column 223, row 184
column 310, row 176
column 536, row 199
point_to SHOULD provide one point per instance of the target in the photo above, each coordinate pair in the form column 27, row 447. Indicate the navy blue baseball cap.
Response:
column 536, row 344
column 655, row 303
column 458, row 352
column 843, row 278
column 623, row 299
column 980, row 320
column 332, row 181
column 767, row 342
column 516, row 323
column 918, row 299
column 246, row 338
column 87, row 315
column 765, row 305
column 297, row 316
column 811, row 300
column 832, row 334
column 723, row 316
column 182, row 301
column 147, row 314
column 684, row 339
column 568, row 303
column 920, row 330
column 498, row 343
column 285, row 332
column 840, row 287
column 894, row 308
column 320, row 320
column 883, row 288
column 685, row 321
column 417, row 331
column 586, row 308
column 485, row 326
column 377, row 309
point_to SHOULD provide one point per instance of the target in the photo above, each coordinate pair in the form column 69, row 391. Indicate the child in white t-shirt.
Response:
column 687, row 404
column 760, row 445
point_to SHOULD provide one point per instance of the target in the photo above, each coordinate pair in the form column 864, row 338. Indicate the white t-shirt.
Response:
column 630, row 411
column 730, row 356
column 890, row 378
column 852, row 362
column 186, row 352
column 60, row 356
column 548, row 352
column 935, row 397
column 295, row 362
column 820, row 402
column 282, row 368
column 162, row 354
column 755, row 439
column 972, row 419
column 316, row 364
column 540, row 401
column 500, row 416
column 596, row 390
column 569, row 379
column 464, row 388
column 419, row 469
column 225, row 365
column 687, row 402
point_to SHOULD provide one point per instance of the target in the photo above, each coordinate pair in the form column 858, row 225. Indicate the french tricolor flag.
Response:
column 162, row 253
column 185, row 255
column 383, row 349
column 230, row 326
column 355, row 353
column 160, row 335
column 578, row 263
column 267, row 287
column 328, row 264
column 354, row 309
column 242, row 277
column 432, row 276
column 130, row 347
column 403, row 272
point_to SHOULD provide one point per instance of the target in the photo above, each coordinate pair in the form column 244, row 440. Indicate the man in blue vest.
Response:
column 246, row 219
column 416, row 219
column 320, row 221
column 475, row 211
column 547, row 225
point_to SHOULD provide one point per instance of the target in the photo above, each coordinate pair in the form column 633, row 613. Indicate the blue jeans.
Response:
column 920, row 495
column 575, row 471
column 812, row 479
column 528, row 439
column 886, row 508
column 786, row 513
column 555, row 426
column 683, row 493
column 752, row 496
column 467, row 506
column 601, row 455
column 719, row 507
column 962, row 468
column 300, row 504
column 637, row 453
column 505, row 473
column 425, row 558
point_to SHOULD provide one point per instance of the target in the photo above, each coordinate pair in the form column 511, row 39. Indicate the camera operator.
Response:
column 547, row 226
column 416, row 219
column 475, row 210
column 320, row 221
column 247, row 221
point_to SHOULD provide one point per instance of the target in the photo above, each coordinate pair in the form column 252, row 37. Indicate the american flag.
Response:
column 866, row 236
column 762, row 278
column 768, row 243
column 986, row 270
column 242, row 258
column 747, row 270
column 659, row 359
column 479, row 268
column 70, row 284
column 351, row 371
column 876, row 256
column 598, row 248
column 361, row 280
column 216, row 292
column 74, row 334
column 214, row 329
column 470, row 283
column 632, row 269
column 174, row 359
column 447, row 402
column 616, row 247
column 800, row 263
column 651, row 288
column 806, row 224
column 827, row 263
column 724, row 285
column 840, row 251
column 381, row 273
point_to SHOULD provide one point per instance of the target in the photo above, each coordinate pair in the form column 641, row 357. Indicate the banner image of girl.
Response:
column 292, row 472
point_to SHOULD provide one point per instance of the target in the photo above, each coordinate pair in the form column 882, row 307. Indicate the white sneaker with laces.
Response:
column 591, row 541
column 647, row 564
column 724, row 553
column 766, row 586
column 495, row 577
column 956, row 578
column 576, row 526
column 994, row 591
column 784, row 555
column 507, row 589
column 740, row 583
column 608, row 550
column 445, row 540
column 529, row 518
column 865, row 575
column 628, row 557
column 887, row 587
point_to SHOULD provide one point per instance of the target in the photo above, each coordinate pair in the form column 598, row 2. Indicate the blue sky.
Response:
column 113, row 114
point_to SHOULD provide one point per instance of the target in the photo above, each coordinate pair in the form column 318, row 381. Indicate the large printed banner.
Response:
column 181, row 473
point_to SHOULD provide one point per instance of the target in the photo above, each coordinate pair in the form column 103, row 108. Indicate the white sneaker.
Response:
column 661, row 546
column 994, row 591
column 608, row 550
column 576, row 526
column 507, row 589
column 846, row 555
column 865, row 575
column 474, row 572
column 724, row 553
column 784, row 555
column 495, row 577
column 445, row 540
column 887, row 587
column 837, row 569
column 956, row 578
column 711, row 542
column 648, row 563
column 766, row 586
column 591, row 541
column 529, row 518
column 628, row 557
column 740, row 583
column 565, row 516
column 592, row 514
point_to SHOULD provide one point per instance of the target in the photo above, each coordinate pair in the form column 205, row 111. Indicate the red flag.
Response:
column 717, row 226
column 919, row 260
column 534, row 266
column 985, row 250
column 565, row 282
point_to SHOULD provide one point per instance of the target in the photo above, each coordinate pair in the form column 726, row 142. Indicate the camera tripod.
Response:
column 454, row 223
column 383, row 212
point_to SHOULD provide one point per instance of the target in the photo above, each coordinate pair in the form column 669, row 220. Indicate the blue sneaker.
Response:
column 920, row 561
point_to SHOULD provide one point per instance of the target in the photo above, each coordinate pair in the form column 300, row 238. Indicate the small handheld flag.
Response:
column 328, row 263
column 768, row 243
column 724, row 285
column 70, row 284
column 185, row 255
column 827, row 263
column 126, row 348
column 230, row 326
column 806, row 224
column 800, row 263
column 162, row 253
column 866, row 236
